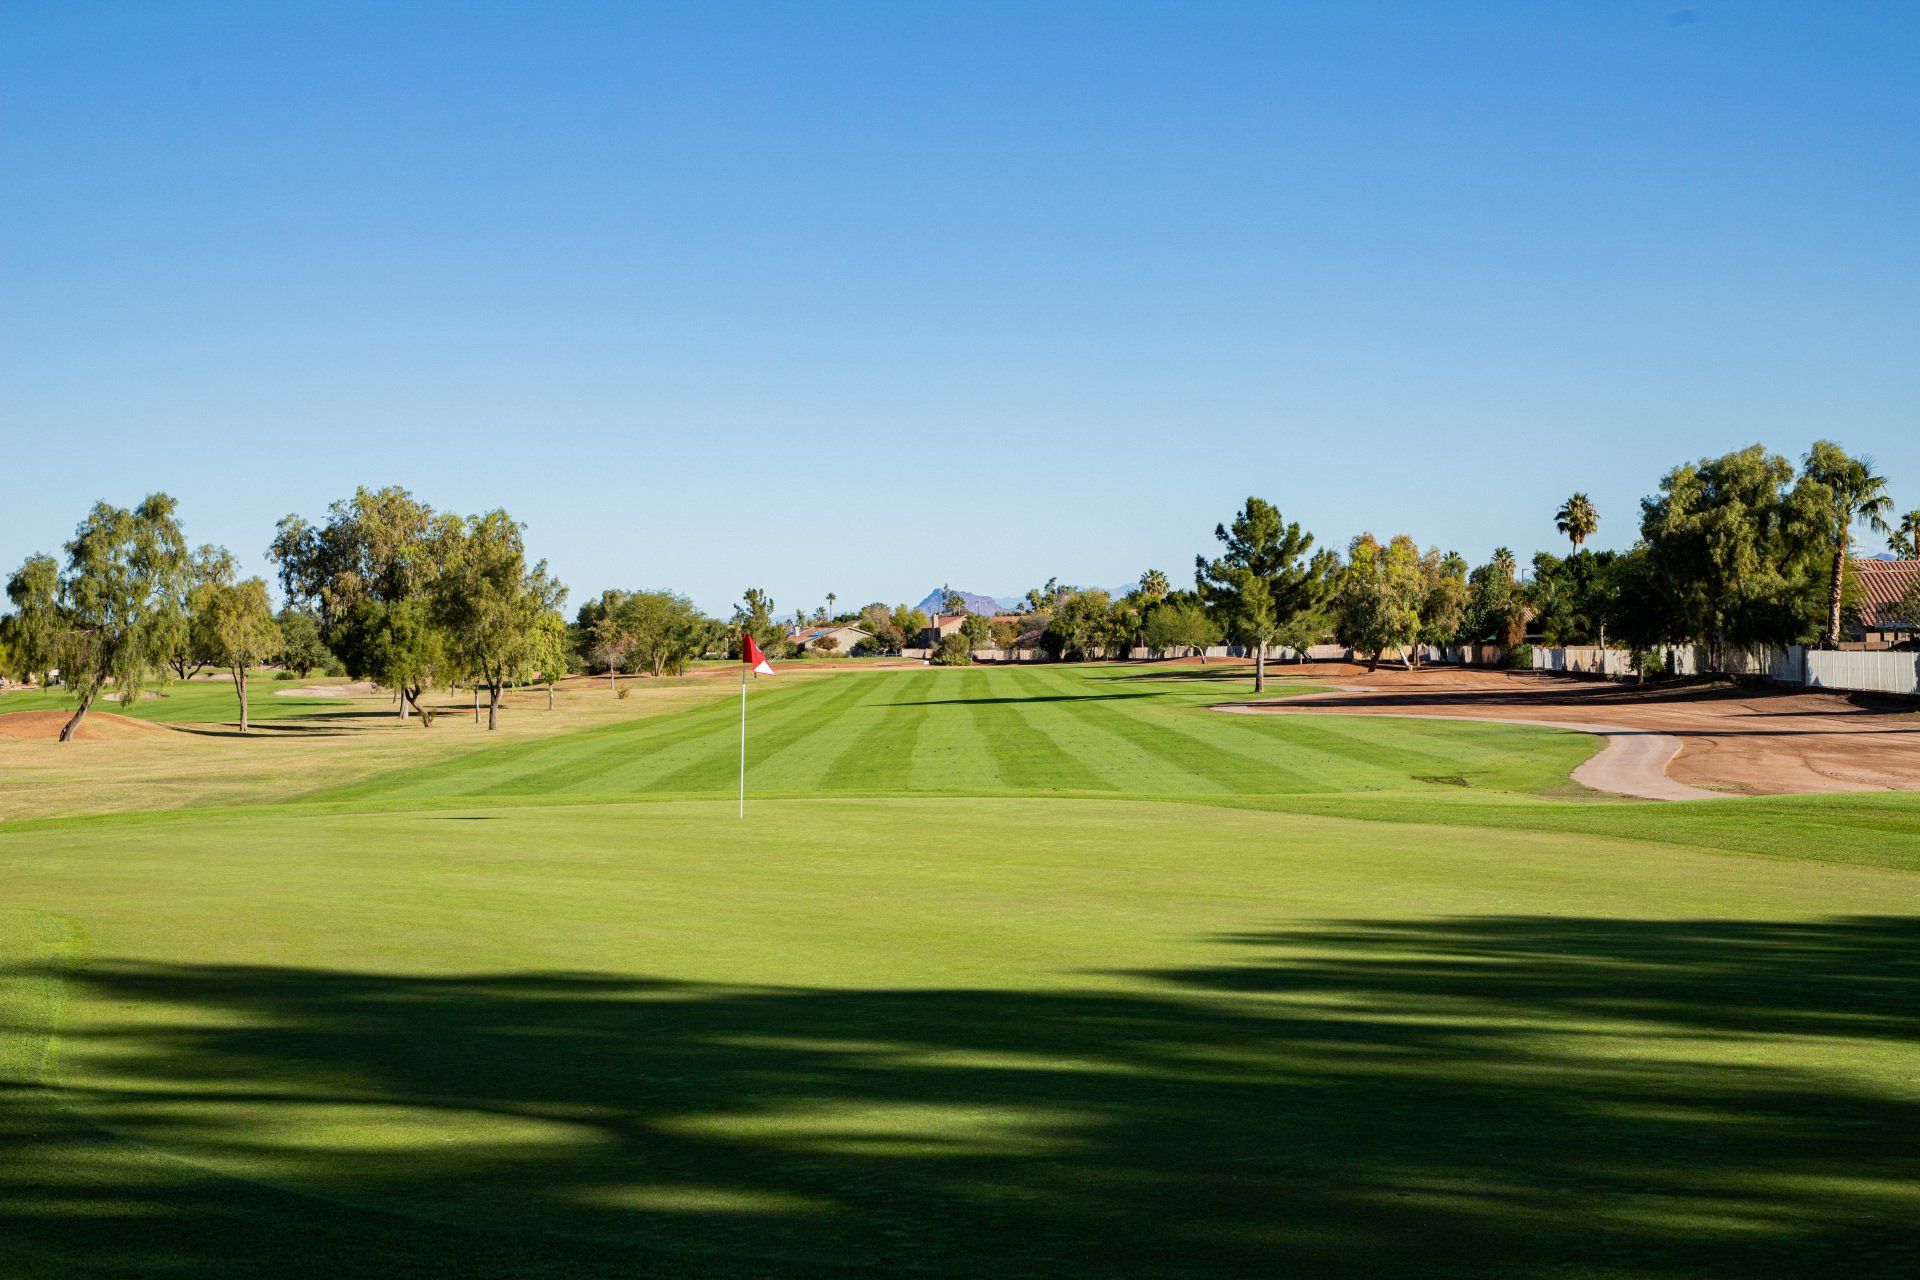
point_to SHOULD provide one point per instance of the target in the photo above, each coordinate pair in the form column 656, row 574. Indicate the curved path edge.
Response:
column 1631, row 762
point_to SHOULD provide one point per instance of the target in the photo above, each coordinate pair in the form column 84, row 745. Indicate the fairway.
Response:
column 1048, row 972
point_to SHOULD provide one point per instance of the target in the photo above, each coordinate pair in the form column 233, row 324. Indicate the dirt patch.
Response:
column 99, row 726
column 1666, row 742
column 353, row 689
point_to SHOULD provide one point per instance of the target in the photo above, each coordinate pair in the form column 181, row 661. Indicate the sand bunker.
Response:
column 1665, row 743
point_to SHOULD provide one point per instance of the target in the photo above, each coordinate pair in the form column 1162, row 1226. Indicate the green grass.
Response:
column 1007, row 973
column 997, row 731
column 199, row 701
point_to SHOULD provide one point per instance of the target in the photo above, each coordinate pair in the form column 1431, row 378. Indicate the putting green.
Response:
column 546, row 1009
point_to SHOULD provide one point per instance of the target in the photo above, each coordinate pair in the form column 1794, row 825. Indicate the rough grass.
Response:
column 546, row 1009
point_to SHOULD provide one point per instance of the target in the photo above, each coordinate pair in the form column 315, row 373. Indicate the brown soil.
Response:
column 1732, row 740
column 99, row 726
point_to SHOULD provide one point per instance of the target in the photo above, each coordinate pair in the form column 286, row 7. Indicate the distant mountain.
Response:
column 975, row 603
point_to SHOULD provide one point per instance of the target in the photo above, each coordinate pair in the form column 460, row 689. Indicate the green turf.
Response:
column 199, row 701
column 998, row 731
column 549, row 1010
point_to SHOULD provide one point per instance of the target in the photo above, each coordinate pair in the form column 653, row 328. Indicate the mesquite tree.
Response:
column 111, row 615
column 491, row 607
column 240, row 630
column 369, row 573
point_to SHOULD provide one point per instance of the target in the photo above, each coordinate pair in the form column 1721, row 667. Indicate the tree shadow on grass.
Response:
column 1453, row 1097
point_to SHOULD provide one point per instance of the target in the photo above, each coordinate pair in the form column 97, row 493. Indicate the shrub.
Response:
column 1520, row 658
column 1650, row 663
column 284, row 674
column 625, row 691
column 954, row 651
column 336, row 668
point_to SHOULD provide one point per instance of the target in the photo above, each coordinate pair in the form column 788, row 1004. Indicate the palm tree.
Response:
column 1153, row 586
column 830, row 599
column 1577, row 518
column 1855, row 496
column 1906, row 539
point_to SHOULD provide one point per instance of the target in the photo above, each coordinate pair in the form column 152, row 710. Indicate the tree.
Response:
column 367, row 574
column 1378, row 603
column 191, row 645
column 607, row 646
column 1082, row 624
column 32, row 631
column 977, row 630
column 112, row 615
column 1577, row 519
column 831, row 597
column 301, row 648
column 952, row 601
column 1004, row 633
column 1493, row 598
column 241, row 632
column 552, row 651
column 1853, row 495
column 1179, row 624
column 1734, row 554
column 1042, row 599
column 664, row 629
column 1905, row 541
column 1153, row 588
column 877, row 621
column 491, row 606
column 1266, row 579
column 909, row 623
column 1443, row 596
column 754, row 614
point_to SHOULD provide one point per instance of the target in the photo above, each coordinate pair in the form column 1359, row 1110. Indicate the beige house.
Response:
column 942, row 626
column 843, row 637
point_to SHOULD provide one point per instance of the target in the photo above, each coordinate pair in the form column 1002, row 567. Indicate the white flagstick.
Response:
column 743, row 742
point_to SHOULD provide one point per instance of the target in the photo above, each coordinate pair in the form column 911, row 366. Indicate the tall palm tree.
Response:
column 1906, row 538
column 1153, row 586
column 1855, row 495
column 1577, row 518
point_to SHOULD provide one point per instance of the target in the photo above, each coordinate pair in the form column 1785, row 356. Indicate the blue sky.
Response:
column 858, row 298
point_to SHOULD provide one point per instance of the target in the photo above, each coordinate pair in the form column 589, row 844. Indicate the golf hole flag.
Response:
column 751, row 655
column 751, row 659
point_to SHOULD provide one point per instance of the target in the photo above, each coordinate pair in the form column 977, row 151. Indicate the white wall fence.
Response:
column 1853, row 670
column 1870, row 672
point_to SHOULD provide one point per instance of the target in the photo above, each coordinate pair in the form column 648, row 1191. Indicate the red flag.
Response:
column 751, row 655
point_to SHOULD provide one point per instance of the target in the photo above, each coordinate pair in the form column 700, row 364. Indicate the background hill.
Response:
column 976, row 603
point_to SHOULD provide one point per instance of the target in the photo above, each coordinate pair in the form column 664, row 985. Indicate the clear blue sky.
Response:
column 858, row 298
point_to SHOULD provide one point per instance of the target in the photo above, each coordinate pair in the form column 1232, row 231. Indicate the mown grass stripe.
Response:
column 1024, row 752
column 772, row 727
column 881, row 757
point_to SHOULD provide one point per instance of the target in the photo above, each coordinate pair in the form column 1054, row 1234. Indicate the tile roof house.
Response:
column 845, row 636
column 1882, row 584
column 942, row 626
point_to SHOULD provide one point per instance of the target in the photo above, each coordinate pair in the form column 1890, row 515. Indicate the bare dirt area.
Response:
column 351, row 689
column 1665, row 742
column 99, row 726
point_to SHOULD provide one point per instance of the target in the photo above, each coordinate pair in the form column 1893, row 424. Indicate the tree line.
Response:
column 1740, row 549
column 383, row 588
column 1736, row 550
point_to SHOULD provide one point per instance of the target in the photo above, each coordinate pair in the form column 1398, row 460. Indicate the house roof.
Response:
column 806, row 635
column 1882, row 583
